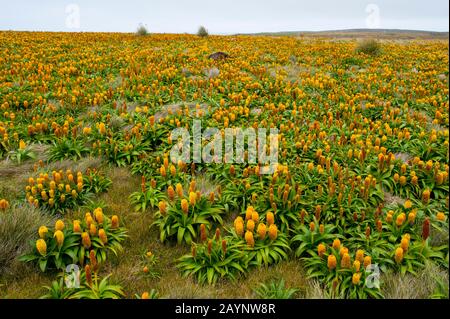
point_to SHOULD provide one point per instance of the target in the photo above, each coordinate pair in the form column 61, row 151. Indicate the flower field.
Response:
column 357, row 206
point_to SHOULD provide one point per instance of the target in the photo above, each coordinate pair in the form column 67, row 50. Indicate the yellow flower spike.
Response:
column 356, row 278
column 400, row 219
column 336, row 243
column 255, row 216
column 114, row 222
column 389, row 216
column 261, row 230
column 360, row 255
column 43, row 230
column 249, row 239
column 93, row 230
column 77, row 226
column 321, row 249
column 273, row 232
column 102, row 236
column 426, row 196
column 238, row 220
column 172, row 170
column 250, row 225
column 192, row 198
column 356, row 265
column 331, row 262
column 404, row 244
column 407, row 204
column 41, row 246
column 345, row 261
column 86, row 240
column 179, row 190
column 184, row 206
column 412, row 217
column 59, row 235
column 162, row 205
column 59, row 225
column 403, row 180
column 270, row 219
column 239, row 227
column 367, row 261
column 98, row 214
column 22, row 145
column 398, row 255
column 249, row 212
column 440, row 217
column 170, row 192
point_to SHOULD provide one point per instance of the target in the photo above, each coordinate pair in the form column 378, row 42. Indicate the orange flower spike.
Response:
column 367, row 261
column 249, row 239
column 86, row 240
column 239, row 227
column 321, row 249
column 114, row 222
column 331, row 262
column 250, row 225
column 184, row 206
column 262, row 230
column 203, row 232
column 270, row 219
column 273, row 232
column 398, row 255
column 336, row 243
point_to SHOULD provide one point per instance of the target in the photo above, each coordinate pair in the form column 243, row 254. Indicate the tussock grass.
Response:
column 423, row 286
column 18, row 226
column 369, row 47
column 141, row 30
column 202, row 32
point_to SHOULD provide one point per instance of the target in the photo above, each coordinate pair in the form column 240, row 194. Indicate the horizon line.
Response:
column 245, row 33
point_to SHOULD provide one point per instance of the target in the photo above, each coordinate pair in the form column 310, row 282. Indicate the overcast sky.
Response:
column 222, row 16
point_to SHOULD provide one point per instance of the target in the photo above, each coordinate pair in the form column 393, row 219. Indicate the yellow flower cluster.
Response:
column 46, row 190
column 263, row 230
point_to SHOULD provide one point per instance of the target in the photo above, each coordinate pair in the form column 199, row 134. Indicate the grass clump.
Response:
column 142, row 30
column 202, row 32
column 369, row 47
column 18, row 226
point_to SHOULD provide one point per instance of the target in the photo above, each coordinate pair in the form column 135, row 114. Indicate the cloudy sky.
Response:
column 222, row 16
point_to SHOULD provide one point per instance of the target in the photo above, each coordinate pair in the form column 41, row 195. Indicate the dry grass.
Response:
column 18, row 226
column 404, row 157
column 30, row 286
column 205, row 185
column 422, row 286
column 392, row 200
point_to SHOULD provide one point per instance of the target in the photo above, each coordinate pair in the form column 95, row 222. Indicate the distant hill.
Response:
column 362, row 33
